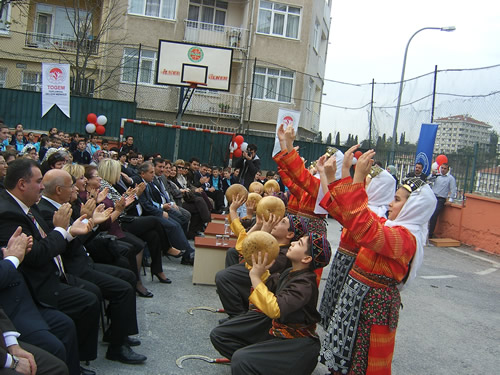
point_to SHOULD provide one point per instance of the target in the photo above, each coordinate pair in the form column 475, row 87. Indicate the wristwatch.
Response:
column 15, row 362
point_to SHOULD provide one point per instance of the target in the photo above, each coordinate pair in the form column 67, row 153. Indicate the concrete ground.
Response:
column 450, row 323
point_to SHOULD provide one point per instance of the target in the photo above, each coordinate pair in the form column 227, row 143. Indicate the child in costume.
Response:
column 278, row 335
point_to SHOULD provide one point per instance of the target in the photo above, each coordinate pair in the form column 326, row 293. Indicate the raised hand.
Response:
column 289, row 137
column 330, row 167
column 237, row 202
column 88, row 208
column 62, row 216
column 348, row 160
column 121, row 204
column 17, row 245
column 140, row 188
column 79, row 227
column 102, row 195
column 270, row 223
column 363, row 166
column 101, row 214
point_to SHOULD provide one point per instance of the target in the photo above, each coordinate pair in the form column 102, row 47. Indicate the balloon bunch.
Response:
column 96, row 124
column 357, row 154
column 440, row 160
column 238, row 146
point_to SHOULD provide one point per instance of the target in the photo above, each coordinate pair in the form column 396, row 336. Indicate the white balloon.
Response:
column 233, row 146
column 102, row 120
column 90, row 128
column 354, row 160
column 244, row 146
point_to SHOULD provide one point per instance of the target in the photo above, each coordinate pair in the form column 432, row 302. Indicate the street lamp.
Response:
column 394, row 131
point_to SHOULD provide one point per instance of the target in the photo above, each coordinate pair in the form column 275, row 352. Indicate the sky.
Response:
column 368, row 40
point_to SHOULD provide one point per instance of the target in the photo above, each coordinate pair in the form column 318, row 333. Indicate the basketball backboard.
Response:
column 181, row 64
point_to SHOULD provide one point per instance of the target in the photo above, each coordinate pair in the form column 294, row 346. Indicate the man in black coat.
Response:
column 249, row 165
column 115, row 284
column 41, row 270
column 42, row 326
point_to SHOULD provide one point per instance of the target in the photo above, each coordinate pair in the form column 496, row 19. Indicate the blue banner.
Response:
column 425, row 146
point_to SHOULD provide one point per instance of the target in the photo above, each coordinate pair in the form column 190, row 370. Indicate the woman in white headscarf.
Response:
column 380, row 191
column 361, row 335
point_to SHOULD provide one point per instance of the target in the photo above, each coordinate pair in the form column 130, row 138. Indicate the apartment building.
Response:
column 460, row 131
column 279, row 54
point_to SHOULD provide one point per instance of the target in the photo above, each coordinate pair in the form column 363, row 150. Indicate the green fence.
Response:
column 18, row 106
column 476, row 170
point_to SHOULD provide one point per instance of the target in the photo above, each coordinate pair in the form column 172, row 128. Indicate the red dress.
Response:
column 369, row 302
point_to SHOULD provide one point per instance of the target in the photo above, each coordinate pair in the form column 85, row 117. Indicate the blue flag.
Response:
column 425, row 146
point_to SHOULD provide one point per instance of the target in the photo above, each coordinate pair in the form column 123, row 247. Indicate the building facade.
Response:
column 279, row 55
column 457, row 132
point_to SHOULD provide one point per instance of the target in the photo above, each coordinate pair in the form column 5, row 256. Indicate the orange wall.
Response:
column 475, row 223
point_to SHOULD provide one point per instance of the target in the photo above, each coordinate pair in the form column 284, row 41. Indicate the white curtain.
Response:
column 292, row 29
column 168, row 9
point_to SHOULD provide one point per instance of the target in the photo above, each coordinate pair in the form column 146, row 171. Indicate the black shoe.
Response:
column 188, row 262
column 166, row 280
column 146, row 294
column 85, row 371
column 124, row 354
column 130, row 341
column 181, row 253
column 146, row 262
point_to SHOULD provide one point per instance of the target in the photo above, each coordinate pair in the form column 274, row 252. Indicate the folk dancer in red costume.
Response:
column 379, row 189
column 361, row 336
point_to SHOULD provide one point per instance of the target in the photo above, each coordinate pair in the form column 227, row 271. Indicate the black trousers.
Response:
column 433, row 221
column 245, row 339
column 60, row 340
column 150, row 230
column 79, row 302
column 46, row 363
column 117, row 285
column 232, row 257
column 233, row 286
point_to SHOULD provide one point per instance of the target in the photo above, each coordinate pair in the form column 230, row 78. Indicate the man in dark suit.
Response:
column 41, row 267
column 27, row 359
column 44, row 327
column 164, row 200
column 115, row 284
column 150, row 207
column 249, row 164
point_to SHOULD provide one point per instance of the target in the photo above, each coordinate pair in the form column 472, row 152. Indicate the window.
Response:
column 85, row 87
column 153, row 8
column 310, row 95
column 5, row 19
column 273, row 84
column 208, row 13
column 278, row 19
column 59, row 21
column 31, row 81
column 3, row 77
column 316, row 37
column 146, row 67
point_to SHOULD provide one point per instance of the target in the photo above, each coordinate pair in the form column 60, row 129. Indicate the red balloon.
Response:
column 238, row 139
column 99, row 129
column 92, row 118
column 237, row 153
column 357, row 154
column 441, row 159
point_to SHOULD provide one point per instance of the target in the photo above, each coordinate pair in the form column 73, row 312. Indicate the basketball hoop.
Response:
column 194, row 84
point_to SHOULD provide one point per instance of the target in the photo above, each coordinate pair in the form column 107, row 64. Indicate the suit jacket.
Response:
column 150, row 206
column 173, row 190
column 248, row 169
column 38, row 267
column 5, row 326
column 16, row 300
column 75, row 258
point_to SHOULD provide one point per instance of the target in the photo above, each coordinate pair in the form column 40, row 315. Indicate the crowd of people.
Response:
column 78, row 221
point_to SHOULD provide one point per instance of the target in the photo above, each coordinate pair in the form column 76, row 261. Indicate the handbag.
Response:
column 104, row 248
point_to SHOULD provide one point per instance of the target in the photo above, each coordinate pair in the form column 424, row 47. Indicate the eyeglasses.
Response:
column 181, row 168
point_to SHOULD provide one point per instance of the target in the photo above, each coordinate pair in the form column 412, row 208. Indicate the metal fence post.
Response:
column 474, row 161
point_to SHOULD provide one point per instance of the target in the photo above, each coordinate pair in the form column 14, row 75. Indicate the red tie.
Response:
column 57, row 258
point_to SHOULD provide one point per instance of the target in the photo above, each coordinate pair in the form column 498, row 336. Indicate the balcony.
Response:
column 215, row 103
column 61, row 43
column 216, row 35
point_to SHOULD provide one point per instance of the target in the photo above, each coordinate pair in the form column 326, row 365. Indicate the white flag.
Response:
column 286, row 117
column 55, row 87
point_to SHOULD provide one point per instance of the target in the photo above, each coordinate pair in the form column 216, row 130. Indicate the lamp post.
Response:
column 394, row 131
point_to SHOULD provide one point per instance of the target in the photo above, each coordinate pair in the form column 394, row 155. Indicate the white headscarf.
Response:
column 415, row 216
column 339, row 160
column 380, row 193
